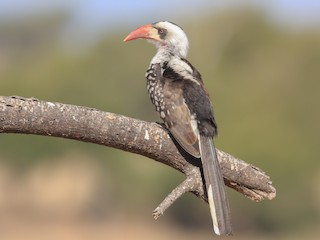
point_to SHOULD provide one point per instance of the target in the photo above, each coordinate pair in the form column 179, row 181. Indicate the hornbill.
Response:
column 176, row 89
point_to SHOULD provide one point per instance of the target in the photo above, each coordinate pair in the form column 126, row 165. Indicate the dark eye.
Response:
column 160, row 31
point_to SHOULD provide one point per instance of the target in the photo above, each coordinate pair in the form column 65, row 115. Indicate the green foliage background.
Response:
column 264, row 83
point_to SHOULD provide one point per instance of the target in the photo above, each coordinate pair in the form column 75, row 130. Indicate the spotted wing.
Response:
column 176, row 115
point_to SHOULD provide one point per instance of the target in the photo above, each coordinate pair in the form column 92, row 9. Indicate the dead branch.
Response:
column 32, row 116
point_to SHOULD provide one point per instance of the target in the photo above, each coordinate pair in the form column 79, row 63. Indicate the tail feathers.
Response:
column 217, row 198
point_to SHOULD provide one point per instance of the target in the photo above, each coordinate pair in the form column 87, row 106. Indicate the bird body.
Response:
column 176, row 89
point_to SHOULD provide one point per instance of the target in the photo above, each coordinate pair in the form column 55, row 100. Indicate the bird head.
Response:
column 165, row 35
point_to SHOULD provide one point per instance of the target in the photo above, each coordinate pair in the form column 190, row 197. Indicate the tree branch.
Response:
column 32, row 116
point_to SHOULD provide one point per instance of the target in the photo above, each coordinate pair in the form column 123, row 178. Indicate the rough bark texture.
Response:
column 32, row 116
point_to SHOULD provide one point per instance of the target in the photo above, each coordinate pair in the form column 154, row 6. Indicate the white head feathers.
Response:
column 174, row 38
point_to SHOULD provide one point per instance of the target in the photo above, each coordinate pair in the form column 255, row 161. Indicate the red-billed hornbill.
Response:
column 177, row 92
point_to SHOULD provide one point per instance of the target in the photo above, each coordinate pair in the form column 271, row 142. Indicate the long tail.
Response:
column 217, row 198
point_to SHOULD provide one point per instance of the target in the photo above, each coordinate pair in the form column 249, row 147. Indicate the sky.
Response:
column 96, row 12
column 96, row 16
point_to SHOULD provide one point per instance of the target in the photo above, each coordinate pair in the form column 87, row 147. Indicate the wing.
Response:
column 179, row 120
column 177, row 116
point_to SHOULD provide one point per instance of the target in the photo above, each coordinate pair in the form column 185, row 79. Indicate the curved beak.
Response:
column 146, row 32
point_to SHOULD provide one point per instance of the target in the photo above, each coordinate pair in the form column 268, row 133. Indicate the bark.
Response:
column 33, row 116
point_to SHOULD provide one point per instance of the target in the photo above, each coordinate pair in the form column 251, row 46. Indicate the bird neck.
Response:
column 162, row 55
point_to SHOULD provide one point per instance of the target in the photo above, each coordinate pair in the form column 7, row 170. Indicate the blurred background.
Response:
column 260, row 61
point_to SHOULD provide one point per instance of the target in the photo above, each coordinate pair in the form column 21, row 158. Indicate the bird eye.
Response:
column 161, row 31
